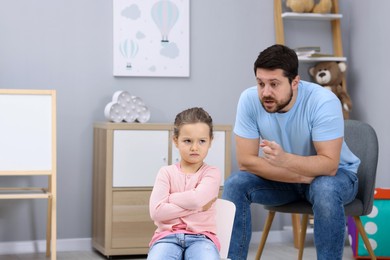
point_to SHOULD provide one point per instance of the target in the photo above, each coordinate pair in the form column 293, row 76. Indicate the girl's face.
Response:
column 193, row 143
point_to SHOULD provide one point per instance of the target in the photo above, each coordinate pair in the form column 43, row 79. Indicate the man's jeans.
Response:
column 184, row 246
column 327, row 194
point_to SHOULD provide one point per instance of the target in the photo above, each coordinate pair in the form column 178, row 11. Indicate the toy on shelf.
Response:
column 323, row 7
column 310, row 6
column 329, row 74
column 127, row 108
column 300, row 6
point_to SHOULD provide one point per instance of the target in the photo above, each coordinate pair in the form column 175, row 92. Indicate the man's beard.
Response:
column 279, row 106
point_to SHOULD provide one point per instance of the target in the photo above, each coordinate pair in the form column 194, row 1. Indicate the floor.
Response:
column 273, row 251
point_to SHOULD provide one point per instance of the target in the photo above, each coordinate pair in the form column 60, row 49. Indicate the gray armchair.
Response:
column 362, row 140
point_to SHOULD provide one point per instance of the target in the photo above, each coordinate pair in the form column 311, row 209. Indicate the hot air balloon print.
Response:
column 165, row 15
column 129, row 49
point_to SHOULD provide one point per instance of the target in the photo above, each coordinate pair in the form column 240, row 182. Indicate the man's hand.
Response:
column 273, row 153
column 276, row 156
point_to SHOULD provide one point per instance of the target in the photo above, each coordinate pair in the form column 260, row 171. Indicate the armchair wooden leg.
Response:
column 296, row 226
column 360, row 228
column 267, row 227
column 302, row 235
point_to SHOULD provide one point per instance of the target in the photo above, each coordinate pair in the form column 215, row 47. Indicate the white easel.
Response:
column 28, row 148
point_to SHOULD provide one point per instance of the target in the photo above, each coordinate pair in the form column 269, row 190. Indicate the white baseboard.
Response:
column 85, row 244
column 39, row 246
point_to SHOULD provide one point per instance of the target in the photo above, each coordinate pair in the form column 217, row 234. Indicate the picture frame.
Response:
column 151, row 38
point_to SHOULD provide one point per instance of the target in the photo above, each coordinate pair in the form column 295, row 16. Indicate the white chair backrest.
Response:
column 225, row 218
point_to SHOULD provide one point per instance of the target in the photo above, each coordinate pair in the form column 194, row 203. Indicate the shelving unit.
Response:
column 334, row 17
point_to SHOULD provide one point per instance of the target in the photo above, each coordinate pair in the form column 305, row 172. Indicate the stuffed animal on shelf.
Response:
column 308, row 6
column 300, row 6
column 329, row 74
column 323, row 7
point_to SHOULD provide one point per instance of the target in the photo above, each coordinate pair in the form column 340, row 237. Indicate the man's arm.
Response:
column 278, row 165
column 325, row 162
column 248, row 160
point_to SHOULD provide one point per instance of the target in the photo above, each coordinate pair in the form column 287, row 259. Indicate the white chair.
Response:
column 225, row 218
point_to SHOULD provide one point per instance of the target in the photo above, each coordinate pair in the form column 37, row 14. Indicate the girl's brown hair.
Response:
column 192, row 116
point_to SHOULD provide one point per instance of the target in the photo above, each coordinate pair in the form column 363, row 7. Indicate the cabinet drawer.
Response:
column 131, row 223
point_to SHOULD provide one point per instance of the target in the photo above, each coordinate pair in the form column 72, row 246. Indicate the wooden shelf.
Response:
column 319, row 59
column 311, row 16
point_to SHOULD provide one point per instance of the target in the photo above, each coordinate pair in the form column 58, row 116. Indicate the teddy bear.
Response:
column 307, row 6
column 329, row 74
column 300, row 6
column 322, row 7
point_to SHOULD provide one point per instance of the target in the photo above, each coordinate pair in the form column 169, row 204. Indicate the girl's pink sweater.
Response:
column 177, row 199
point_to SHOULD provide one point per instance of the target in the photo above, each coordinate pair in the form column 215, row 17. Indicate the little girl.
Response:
column 182, row 201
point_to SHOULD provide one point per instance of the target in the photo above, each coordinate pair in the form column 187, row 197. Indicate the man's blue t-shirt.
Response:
column 315, row 116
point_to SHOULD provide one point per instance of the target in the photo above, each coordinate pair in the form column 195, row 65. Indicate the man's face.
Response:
column 275, row 92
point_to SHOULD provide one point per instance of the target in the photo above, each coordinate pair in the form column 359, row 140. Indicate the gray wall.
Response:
column 368, row 70
column 67, row 46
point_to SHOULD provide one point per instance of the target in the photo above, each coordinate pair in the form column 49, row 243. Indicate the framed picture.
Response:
column 151, row 38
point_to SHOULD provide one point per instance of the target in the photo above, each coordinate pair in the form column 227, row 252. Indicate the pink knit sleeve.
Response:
column 159, row 206
column 205, row 190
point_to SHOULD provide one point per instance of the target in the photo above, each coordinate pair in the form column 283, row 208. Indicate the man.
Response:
column 289, row 145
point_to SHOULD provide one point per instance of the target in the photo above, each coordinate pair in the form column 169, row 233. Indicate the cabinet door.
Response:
column 216, row 155
column 131, row 223
column 137, row 156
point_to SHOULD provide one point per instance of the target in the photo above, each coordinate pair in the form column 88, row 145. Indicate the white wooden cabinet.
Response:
column 138, row 155
column 126, row 160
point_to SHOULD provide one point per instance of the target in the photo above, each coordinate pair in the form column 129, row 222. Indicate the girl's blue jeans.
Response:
column 183, row 247
column 327, row 194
